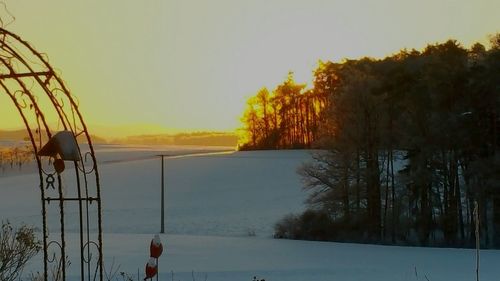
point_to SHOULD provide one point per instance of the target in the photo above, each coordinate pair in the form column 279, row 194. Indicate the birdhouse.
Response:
column 62, row 144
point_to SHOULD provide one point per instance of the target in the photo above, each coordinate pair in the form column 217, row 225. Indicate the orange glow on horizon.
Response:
column 176, row 66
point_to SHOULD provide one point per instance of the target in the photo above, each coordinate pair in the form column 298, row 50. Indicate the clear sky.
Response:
column 190, row 65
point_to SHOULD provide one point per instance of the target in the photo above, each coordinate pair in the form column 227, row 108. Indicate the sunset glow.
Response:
column 160, row 66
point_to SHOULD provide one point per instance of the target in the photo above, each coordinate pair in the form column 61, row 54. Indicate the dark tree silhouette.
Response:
column 409, row 142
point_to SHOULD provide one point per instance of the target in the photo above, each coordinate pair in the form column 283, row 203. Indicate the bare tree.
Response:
column 17, row 247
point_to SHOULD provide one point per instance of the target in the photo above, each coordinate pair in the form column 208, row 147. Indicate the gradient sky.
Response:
column 190, row 65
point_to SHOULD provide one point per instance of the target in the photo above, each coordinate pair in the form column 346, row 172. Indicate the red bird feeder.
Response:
column 151, row 269
column 156, row 248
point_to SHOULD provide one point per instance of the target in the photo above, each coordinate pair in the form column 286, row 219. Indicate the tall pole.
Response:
column 478, row 242
column 162, row 196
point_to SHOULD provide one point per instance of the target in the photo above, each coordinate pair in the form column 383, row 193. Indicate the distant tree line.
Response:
column 287, row 117
column 195, row 138
column 410, row 143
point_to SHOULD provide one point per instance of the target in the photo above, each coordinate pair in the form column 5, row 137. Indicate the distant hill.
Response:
column 22, row 135
column 197, row 138
column 14, row 135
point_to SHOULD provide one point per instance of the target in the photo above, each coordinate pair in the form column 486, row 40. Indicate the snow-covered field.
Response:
column 220, row 211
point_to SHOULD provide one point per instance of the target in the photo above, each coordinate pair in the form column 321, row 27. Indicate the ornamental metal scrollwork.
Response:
column 47, row 108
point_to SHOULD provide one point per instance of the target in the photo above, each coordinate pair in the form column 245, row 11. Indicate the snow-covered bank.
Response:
column 241, row 258
column 237, row 258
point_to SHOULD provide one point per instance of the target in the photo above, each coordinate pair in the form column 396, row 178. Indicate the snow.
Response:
column 220, row 210
column 156, row 240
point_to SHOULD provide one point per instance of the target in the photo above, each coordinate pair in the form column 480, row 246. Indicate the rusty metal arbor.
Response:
column 71, row 200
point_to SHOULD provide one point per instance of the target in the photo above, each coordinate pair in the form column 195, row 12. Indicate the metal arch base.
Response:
column 46, row 106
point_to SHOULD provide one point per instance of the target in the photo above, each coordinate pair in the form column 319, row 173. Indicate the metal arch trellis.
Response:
column 46, row 106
